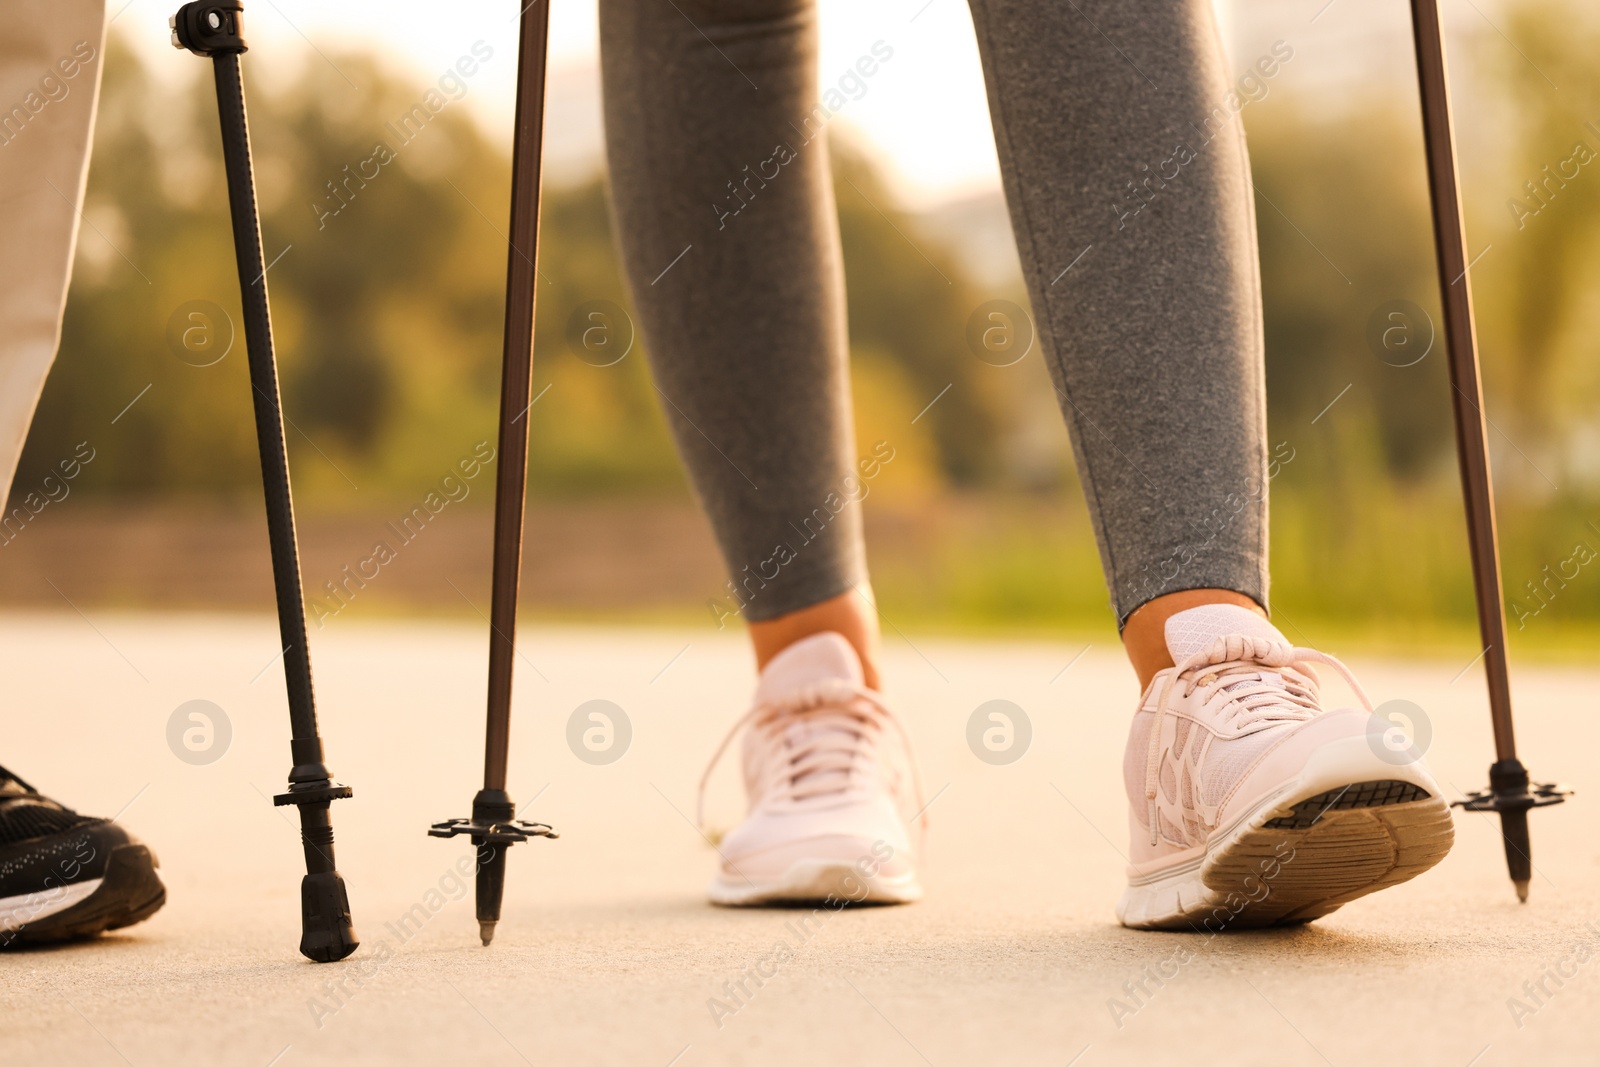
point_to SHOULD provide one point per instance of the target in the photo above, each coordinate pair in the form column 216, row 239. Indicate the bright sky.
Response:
column 925, row 112
column 924, row 115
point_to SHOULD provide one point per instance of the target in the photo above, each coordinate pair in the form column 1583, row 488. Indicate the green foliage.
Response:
column 909, row 301
column 1538, row 320
column 387, row 280
column 388, row 294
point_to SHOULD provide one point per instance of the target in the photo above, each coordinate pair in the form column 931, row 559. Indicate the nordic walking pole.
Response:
column 494, row 826
column 1508, row 792
column 211, row 28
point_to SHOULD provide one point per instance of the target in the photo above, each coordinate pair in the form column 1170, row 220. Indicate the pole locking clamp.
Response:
column 209, row 27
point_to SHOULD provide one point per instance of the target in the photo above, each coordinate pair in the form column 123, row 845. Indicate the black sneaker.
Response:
column 65, row 875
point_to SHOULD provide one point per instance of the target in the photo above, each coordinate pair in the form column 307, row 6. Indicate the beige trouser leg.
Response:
column 50, row 59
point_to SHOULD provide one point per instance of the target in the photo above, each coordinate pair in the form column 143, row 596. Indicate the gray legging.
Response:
column 1122, row 161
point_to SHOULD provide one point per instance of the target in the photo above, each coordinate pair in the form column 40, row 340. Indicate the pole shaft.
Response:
column 515, row 385
column 1466, row 394
column 268, row 411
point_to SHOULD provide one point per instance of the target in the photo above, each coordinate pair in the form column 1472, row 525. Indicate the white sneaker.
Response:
column 1252, row 806
column 827, row 771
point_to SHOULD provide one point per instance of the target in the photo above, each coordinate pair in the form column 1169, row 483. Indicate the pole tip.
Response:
column 486, row 929
column 1520, row 883
column 326, row 933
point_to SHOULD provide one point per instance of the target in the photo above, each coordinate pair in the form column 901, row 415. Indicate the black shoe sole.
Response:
column 130, row 893
column 1307, row 813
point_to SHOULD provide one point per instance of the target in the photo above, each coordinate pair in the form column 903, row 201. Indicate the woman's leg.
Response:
column 50, row 886
column 44, row 164
column 1130, row 196
column 723, row 200
column 724, row 205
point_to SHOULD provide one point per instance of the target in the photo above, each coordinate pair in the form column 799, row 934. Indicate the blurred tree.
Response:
column 909, row 301
column 1541, row 217
column 1342, row 214
column 387, row 272
column 143, row 252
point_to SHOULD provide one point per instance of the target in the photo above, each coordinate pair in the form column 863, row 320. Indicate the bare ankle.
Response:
column 1144, row 635
column 851, row 615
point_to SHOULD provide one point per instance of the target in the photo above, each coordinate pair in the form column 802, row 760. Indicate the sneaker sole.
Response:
column 128, row 893
column 1300, row 854
column 817, row 882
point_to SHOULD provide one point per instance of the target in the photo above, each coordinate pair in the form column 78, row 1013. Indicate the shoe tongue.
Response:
column 806, row 664
column 819, row 658
column 14, row 792
column 12, row 786
column 1194, row 630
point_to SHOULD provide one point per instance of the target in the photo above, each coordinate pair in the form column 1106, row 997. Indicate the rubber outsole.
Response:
column 1295, row 860
column 1308, row 812
column 817, row 882
column 129, row 893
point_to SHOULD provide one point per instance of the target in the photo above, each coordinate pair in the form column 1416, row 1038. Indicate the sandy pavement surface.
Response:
column 607, row 953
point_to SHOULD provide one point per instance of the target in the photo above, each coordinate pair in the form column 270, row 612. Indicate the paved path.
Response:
column 608, row 955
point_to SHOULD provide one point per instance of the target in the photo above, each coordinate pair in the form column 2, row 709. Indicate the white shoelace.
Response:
column 845, row 722
column 1290, row 695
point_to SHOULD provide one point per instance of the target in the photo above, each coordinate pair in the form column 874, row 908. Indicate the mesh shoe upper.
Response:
column 825, row 761
column 64, row 875
column 1239, row 691
column 45, row 846
column 26, row 815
